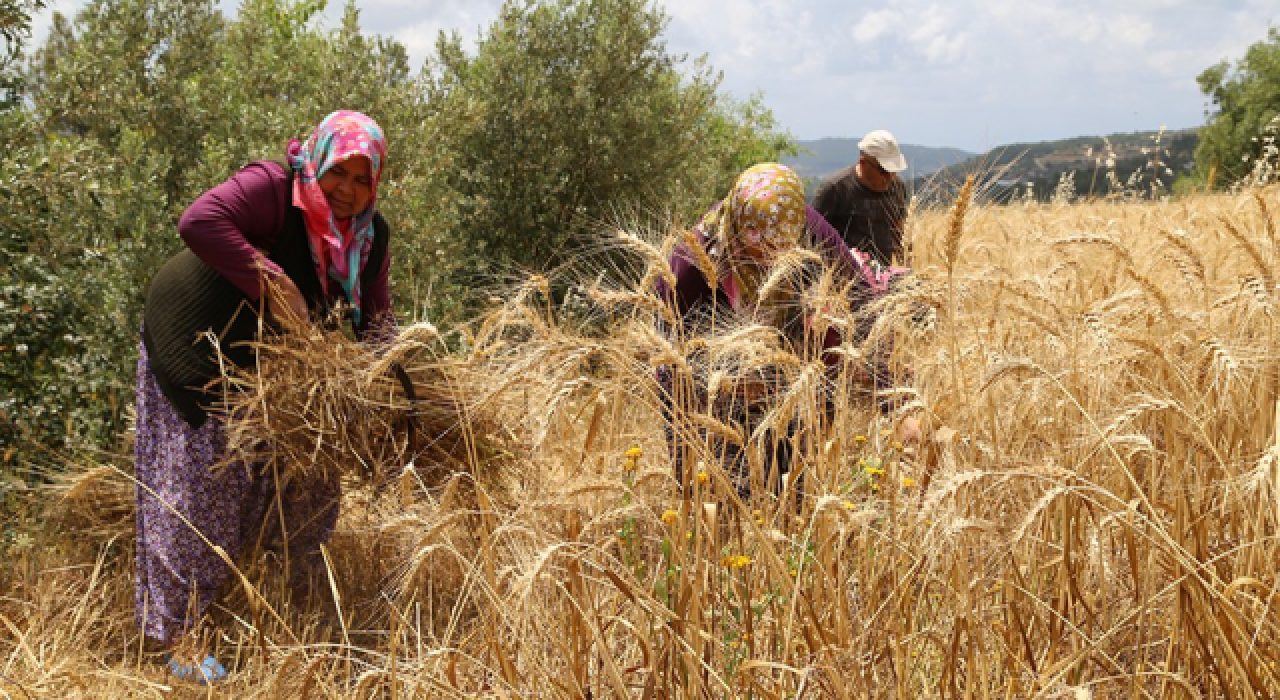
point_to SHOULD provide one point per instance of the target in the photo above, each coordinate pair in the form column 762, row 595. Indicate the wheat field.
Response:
column 1093, row 511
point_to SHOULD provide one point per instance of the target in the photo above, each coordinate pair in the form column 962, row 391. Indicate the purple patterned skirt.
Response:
column 188, row 502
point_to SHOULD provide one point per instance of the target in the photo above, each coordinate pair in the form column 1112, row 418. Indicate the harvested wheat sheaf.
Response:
column 323, row 406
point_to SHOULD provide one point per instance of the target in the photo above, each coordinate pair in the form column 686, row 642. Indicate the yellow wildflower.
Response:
column 634, row 453
column 896, row 445
column 703, row 477
column 885, row 432
column 874, row 471
column 850, row 505
column 670, row 517
column 908, row 482
column 629, row 465
column 859, row 438
column 736, row 561
column 793, row 573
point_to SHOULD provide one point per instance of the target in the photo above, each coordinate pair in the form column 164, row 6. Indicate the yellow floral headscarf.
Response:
column 765, row 207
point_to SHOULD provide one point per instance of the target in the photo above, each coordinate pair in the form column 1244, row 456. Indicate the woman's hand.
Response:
column 285, row 302
column 909, row 431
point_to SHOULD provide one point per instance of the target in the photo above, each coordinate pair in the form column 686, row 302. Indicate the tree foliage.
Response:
column 1245, row 98
column 570, row 112
column 566, row 113
column 15, row 29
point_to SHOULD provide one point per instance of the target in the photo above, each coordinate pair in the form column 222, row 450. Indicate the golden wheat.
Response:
column 1093, row 512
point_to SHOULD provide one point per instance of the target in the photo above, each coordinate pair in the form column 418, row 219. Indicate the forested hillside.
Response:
column 1149, row 162
column 821, row 157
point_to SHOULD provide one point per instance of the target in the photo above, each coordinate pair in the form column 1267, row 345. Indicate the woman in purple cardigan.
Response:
column 294, row 239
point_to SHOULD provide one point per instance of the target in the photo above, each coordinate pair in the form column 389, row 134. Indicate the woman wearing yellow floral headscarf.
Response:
column 763, row 217
column 739, row 240
column 720, row 277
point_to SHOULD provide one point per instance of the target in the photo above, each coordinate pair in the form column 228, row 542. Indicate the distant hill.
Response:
column 1009, row 170
column 823, row 157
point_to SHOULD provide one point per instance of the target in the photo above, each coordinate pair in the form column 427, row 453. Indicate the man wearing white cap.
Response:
column 867, row 202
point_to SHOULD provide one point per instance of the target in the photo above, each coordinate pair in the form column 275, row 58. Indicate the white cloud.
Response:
column 1069, row 27
column 874, row 25
column 1131, row 31
column 931, row 36
column 944, row 49
column 929, row 24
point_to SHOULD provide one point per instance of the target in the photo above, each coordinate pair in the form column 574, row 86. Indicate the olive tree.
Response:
column 1245, row 98
column 571, row 110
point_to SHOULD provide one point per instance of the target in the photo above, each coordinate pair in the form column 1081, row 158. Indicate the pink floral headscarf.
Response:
column 339, row 247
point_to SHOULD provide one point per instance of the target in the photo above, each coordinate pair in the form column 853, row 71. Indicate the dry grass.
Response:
column 1096, row 516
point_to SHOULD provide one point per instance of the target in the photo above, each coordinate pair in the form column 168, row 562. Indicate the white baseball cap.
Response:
column 881, row 145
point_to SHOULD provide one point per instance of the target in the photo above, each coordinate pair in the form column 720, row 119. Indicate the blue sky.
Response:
column 962, row 73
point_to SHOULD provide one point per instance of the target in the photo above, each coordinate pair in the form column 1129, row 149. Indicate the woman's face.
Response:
column 759, row 250
column 348, row 186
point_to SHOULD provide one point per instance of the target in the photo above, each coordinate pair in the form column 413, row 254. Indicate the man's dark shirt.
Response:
column 869, row 221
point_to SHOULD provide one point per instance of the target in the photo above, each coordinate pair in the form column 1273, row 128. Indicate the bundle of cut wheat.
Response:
column 323, row 406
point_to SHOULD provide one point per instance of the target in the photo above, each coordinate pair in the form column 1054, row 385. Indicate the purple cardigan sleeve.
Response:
column 232, row 225
column 828, row 243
